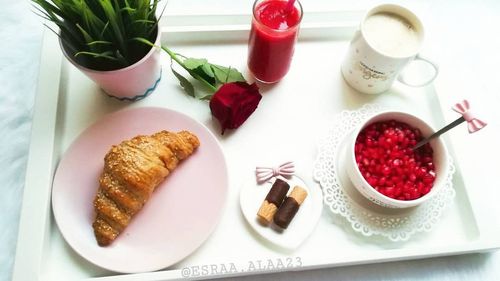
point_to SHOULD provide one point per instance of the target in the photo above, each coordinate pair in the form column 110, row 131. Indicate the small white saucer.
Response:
column 251, row 196
column 364, row 216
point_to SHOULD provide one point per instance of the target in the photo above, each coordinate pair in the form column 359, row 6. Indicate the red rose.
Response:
column 233, row 103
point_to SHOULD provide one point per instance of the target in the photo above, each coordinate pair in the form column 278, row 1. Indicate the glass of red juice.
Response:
column 275, row 28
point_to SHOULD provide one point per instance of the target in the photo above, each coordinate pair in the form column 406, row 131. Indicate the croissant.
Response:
column 132, row 171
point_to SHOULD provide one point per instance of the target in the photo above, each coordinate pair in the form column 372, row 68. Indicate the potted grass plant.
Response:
column 104, row 39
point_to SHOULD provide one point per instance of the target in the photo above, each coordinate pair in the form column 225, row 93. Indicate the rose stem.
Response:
column 178, row 61
column 196, row 76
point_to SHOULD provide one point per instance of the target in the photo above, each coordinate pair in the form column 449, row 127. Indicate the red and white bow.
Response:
column 473, row 123
column 266, row 173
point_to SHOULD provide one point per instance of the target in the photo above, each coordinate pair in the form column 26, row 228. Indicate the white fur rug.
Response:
column 20, row 33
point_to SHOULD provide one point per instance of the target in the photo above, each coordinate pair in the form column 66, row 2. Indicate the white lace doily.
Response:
column 364, row 216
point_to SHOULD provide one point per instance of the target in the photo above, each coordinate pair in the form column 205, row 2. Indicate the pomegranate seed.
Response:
column 386, row 170
column 421, row 188
column 407, row 195
column 398, row 192
column 369, row 142
column 412, row 177
column 387, row 162
column 422, row 171
column 401, row 137
column 372, row 181
column 426, row 159
column 428, row 179
column 382, row 181
column 389, row 191
column 414, row 193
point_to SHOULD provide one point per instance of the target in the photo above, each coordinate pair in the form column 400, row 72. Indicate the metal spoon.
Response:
column 438, row 133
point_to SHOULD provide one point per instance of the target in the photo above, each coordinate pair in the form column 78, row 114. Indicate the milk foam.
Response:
column 391, row 34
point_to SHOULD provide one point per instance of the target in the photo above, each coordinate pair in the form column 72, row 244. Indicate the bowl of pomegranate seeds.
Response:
column 383, row 166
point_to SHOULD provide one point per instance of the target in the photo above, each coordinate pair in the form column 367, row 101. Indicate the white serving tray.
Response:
column 309, row 97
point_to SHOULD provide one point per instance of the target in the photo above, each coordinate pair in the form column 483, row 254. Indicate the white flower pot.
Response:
column 131, row 83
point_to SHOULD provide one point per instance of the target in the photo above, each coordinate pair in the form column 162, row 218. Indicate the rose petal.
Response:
column 233, row 103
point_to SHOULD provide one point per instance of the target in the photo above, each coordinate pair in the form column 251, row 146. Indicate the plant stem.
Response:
column 195, row 76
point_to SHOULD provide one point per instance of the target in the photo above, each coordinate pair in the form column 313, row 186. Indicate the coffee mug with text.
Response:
column 390, row 36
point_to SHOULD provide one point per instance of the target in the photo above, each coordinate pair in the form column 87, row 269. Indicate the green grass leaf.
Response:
column 99, row 43
column 114, row 21
column 86, row 24
column 107, row 55
column 85, row 34
column 103, row 30
column 143, row 21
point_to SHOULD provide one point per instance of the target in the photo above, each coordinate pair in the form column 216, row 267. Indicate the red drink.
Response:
column 275, row 28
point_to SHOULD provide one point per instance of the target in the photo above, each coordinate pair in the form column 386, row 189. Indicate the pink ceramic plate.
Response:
column 178, row 218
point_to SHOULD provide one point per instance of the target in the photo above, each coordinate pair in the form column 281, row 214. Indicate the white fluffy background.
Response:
column 20, row 42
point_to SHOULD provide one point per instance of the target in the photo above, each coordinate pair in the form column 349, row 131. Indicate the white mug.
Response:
column 389, row 37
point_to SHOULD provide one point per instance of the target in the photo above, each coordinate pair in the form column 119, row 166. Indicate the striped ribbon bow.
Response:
column 473, row 123
column 266, row 173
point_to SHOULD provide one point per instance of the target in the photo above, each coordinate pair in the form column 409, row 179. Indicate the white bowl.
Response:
column 440, row 159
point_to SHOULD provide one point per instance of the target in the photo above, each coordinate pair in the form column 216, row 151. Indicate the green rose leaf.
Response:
column 193, row 63
column 207, row 68
column 185, row 84
column 200, row 67
column 204, row 96
column 205, row 73
column 227, row 74
column 212, row 76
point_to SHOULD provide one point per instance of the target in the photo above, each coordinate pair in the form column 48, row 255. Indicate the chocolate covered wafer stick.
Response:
column 289, row 208
column 273, row 200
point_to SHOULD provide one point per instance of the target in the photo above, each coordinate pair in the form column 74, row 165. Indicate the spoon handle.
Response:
column 438, row 133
